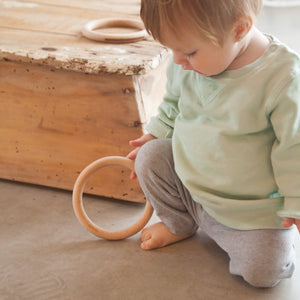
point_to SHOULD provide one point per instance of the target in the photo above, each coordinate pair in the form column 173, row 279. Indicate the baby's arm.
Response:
column 285, row 118
column 161, row 125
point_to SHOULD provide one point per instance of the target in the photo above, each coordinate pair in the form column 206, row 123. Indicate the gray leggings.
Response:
column 261, row 257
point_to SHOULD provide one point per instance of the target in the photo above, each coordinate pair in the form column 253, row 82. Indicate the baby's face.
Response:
column 199, row 54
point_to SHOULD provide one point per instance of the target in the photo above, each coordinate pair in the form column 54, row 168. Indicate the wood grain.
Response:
column 54, row 123
column 49, row 32
column 66, row 101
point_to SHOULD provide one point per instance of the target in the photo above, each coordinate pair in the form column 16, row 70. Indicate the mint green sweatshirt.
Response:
column 236, row 138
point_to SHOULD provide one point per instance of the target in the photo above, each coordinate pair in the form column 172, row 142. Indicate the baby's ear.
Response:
column 242, row 27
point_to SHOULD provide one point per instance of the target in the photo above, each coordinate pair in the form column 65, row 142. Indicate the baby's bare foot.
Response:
column 158, row 235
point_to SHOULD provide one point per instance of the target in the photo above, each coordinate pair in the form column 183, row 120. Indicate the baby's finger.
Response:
column 136, row 143
column 133, row 175
column 132, row 155
column 141, row 140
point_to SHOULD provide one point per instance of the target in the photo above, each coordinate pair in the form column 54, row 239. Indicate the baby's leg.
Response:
column 170, row 199
column 262, row 257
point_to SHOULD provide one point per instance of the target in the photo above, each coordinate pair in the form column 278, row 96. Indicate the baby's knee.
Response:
column 152, row 155
column 267, row 276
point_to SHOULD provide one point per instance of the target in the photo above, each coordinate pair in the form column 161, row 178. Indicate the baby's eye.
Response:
column 189, row 55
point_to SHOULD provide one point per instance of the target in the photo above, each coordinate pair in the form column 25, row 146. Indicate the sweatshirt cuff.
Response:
column 159, row 129
column 291, row 208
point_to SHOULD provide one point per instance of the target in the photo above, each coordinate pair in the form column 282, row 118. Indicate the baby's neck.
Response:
column 253, row 47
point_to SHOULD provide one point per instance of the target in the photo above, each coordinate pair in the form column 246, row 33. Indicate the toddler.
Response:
column 223, row 152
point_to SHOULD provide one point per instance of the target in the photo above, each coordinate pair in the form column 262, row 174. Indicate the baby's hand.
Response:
column 288, row 222
column 138, row 143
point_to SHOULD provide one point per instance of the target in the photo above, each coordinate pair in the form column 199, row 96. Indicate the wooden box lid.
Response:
column 49, row 33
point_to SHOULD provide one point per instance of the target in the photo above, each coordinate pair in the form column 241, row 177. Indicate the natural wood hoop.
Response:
column 78, row 204
column 88, row 30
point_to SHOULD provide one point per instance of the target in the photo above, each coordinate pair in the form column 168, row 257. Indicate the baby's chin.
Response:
column 189, row 69
column 200, row 73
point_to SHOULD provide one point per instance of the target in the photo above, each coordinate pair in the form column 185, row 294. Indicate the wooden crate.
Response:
column 66, row 101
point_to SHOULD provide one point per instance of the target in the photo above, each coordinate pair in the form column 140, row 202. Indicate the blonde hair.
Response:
column 212, row 18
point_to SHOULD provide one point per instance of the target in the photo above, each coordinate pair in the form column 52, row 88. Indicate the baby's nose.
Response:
column 179, row 58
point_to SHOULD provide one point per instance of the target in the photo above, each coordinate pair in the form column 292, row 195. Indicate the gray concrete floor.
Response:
column 46, row 254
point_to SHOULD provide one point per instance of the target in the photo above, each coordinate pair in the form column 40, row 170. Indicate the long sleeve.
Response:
column 162, row 125
column 236, row 138
column 285, row 154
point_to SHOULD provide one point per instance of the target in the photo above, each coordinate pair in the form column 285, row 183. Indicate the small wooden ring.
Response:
column 88, row 30
column 78, row 204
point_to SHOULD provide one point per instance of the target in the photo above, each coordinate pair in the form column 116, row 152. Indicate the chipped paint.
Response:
column 84, row 61
column 55, row 40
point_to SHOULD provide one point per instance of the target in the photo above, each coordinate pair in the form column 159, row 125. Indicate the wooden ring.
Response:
column 78, row 204
column 88, row 30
